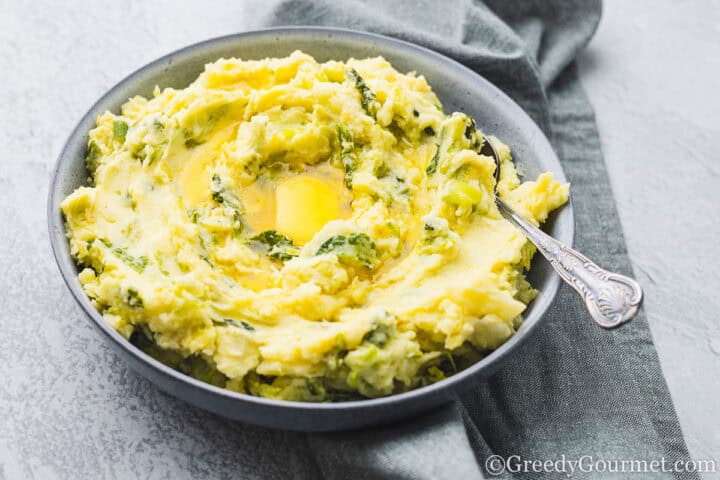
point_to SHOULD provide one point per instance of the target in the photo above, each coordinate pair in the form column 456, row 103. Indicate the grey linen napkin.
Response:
column 573, row 390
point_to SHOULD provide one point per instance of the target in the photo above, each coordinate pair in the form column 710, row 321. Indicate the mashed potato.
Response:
column 303, row 230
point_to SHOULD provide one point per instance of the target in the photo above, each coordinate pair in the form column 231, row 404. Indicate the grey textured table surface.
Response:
column 71, row 409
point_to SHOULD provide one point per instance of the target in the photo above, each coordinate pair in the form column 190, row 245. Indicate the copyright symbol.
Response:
column 495, row 465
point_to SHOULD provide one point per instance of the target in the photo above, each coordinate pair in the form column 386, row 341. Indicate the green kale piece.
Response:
column 355, row 249
column 347, row 154
column 432, row 167
column 223, row 196
column 453, row 138
column 278, row 246
column 367, row 97
column 132, row 298
column 234, row 323
column 378, row 336
column 136, row 263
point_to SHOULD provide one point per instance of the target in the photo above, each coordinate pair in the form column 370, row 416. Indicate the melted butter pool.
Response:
column 297, row 205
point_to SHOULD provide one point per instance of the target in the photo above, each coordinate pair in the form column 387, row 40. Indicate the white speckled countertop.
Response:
column 72, row 409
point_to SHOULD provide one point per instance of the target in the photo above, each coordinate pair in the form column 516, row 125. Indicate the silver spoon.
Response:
column 612, row 299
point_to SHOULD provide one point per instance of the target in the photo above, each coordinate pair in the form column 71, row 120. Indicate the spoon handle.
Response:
column 612, row 299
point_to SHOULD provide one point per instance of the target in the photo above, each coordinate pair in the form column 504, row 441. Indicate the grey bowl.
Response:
column 459, row 89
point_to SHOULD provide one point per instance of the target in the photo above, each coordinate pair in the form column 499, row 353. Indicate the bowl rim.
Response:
column 67, row 266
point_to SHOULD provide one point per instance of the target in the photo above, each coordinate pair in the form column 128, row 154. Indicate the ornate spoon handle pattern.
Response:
column 612, row 299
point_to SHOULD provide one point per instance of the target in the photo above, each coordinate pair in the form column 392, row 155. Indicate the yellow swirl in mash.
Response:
column 303, row 230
